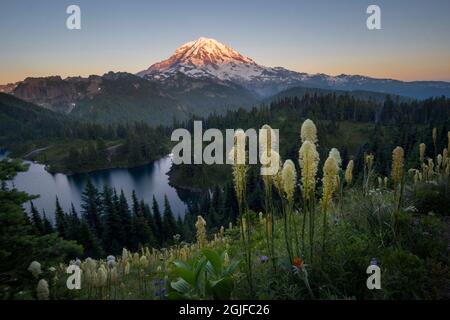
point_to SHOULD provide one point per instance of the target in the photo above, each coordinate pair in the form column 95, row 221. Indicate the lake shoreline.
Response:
column 49, row 169
column 147, row 181
column 78, row 156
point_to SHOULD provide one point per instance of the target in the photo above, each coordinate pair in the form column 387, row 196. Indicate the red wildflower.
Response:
column 297, row 262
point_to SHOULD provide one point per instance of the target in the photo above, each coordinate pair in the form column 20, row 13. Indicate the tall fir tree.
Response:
column 135, row 203
column 112, row 228
column 122, row 230
column 90, row 243
column 36, row 220
column 150, row 221
column 141, row 230
column 169, row 223
column 125, row 219
column 73, row 224
column 91, row 205
column 159, row 235
column 47, row 225
column 60, row 221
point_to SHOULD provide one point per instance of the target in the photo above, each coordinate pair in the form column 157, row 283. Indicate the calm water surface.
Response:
column 146, row 180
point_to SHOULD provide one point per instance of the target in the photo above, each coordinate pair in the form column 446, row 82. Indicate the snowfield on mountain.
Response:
column 208, row 58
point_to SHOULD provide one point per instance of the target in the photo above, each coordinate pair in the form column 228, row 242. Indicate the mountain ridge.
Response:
column 124, row 97
column 209, row 58
column 202, row 77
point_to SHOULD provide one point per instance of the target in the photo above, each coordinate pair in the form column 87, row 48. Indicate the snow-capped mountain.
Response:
column 209, row 59
column 206, row 57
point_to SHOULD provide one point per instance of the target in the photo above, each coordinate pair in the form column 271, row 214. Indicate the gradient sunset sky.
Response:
column 313, row 36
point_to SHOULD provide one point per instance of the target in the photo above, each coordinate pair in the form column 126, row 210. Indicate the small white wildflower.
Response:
column 35, row 268
column 143, row 262
column 91, row 264
column 114, row 275
column 308, row 131
column 102, row 276
column 127, row 268
column 42, row 291
column 336, row 155
column 111, row 262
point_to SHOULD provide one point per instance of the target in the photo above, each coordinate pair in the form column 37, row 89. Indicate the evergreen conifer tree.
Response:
column 36, row 220
column 112, row 228
column 60, row 221
column 169, row 223
column 91, row 208
column 47, row 225
column 159, row 235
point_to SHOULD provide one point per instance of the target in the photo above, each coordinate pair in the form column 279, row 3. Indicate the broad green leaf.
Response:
column 222, row 288
column 181, row 264
column 214, row 258
column 181, row 286
column 210, row 269
column 199, row 268
column 230, row 269
column 185, row 274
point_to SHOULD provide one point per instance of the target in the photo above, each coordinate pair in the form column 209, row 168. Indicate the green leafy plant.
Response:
column 209, row 276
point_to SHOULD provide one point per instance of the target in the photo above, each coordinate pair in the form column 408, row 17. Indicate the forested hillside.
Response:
column 353, row 125
column 69, row 145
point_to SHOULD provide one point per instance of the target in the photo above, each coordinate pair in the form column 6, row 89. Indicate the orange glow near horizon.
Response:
column 431, row 71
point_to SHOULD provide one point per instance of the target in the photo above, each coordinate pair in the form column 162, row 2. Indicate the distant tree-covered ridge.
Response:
column 70, row 146
column 353, row 124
